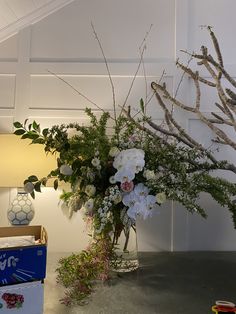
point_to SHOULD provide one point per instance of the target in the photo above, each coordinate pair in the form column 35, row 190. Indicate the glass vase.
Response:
column 125, row 250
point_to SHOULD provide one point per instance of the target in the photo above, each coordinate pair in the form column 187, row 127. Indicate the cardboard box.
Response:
column 24, row 298
column 25, row 263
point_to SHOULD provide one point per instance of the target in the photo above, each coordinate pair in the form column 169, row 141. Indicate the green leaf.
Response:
column 24, row 136
column 32, row 195
column 54, row 173
column 17, row 125
column 44, row 181
column 45, row 132
column 32, row 178
column 38, row 141
column 55, row 184
column 25, row 122
column 37, row 186
column 36, row 126
column 142, row 105
column 32, row 135
column 19, row 132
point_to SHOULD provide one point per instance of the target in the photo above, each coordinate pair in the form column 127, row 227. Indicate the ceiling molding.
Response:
column 31, row 18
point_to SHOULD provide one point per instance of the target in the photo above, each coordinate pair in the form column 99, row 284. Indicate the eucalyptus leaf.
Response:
column 33, row 178
column 44, row 181
column 37, row 186
column 17, row 125
column 55, row 184
column 32, row 195
column 45, row 132
column 19, row 132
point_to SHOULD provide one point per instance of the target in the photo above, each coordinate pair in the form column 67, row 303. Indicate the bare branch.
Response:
column 76, row 90
column 108, row 71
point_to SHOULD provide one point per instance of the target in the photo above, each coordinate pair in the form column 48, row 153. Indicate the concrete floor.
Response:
column 165, row 283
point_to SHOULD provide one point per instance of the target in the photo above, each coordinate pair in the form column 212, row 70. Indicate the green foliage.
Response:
column 78, row 272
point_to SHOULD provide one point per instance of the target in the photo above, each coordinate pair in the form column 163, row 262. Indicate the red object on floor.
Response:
column 223, row 309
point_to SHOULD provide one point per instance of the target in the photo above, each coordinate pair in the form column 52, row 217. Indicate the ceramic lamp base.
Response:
column 21, row 210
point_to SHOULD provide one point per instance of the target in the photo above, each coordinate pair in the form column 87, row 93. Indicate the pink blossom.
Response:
column 127, row 186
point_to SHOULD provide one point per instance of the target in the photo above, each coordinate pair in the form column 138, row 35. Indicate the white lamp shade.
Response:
column 19, row 160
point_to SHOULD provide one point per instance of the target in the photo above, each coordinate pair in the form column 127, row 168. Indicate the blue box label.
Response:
column 22, row 264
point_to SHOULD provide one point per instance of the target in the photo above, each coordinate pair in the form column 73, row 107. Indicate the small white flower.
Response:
column 161, row 198
column 29, row 187
column 95, row 162
column 71, row 132
column 90, row 190
column 89, row 204
column 114, row 151
column 66, row 170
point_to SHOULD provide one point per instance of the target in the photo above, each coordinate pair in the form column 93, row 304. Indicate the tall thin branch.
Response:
column 108, row 72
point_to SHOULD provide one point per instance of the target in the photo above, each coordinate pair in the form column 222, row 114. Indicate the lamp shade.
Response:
column 19, row 160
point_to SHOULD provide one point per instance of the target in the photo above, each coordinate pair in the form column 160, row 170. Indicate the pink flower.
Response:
column 127, row 186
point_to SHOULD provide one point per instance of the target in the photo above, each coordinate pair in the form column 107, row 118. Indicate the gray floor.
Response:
column 166, row 283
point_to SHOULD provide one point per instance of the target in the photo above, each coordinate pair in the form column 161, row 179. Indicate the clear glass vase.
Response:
column 125, row 253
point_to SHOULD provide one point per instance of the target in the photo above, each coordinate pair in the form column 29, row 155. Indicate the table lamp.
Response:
column 18, row 160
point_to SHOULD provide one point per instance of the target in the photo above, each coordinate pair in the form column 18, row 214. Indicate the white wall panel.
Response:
column 49, row 92
column 214, row 233
column 121, row 26
column 8, row 49
column 220, row 15
column 6, row 124
column 7, row 91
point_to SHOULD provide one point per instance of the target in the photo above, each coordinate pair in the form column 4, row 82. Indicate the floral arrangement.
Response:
column 116, row 174
column 114, row 178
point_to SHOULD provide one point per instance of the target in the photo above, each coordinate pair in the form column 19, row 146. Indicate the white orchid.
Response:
column 132, row 157
column 124, row 174
column 141, row 191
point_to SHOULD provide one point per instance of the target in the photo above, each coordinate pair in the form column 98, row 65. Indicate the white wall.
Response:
column 64, row 43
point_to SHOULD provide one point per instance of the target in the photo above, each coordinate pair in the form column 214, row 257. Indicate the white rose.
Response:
column 112, row 180
column 114, row 151
column 66, row 170
column 149, row 174
column 95, row 162
column 29, row 187
column 90, row 190
column 161, row 198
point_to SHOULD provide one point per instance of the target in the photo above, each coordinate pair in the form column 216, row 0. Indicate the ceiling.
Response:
column 16, row 14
